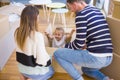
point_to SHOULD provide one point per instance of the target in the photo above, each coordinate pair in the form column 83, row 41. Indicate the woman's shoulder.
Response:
column 38, row 34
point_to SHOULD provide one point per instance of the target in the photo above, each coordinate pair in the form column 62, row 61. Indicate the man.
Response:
column 92, row 47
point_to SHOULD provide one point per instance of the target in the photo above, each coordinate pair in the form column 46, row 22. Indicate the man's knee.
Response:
column 57, row 52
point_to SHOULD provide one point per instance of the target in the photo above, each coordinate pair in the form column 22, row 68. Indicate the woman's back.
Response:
column 33, row 60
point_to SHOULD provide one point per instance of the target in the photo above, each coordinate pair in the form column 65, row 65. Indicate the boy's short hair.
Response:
column 60, row 28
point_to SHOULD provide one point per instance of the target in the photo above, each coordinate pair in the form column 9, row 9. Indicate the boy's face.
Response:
column 58, row 34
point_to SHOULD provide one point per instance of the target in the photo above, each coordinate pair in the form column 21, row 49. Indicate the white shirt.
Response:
column 37, row 49
column 60, row 43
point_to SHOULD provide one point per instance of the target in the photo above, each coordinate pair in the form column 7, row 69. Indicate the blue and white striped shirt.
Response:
column 91, row 30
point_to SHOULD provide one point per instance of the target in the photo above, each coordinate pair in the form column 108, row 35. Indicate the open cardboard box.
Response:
column 55, row 65
column 51, row 51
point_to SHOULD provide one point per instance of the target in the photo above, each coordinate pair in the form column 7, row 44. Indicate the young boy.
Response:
column 59, row 38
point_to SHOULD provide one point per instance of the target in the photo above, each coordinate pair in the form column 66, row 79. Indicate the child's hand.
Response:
column 46, row 33
column 73, row 30
column 84, row 47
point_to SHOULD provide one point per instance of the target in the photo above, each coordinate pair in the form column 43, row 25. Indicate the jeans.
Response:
column 41, row 77
column 90, row 64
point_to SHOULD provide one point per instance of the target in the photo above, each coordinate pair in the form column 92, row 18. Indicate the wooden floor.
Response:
column 10, row 71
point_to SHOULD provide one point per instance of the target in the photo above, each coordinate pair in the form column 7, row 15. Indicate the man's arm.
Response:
column 81, row 31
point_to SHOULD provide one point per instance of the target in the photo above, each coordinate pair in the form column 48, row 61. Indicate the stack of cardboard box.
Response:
column 114, row 24
column 4, row 25
column 116, row 11
column 7, row 44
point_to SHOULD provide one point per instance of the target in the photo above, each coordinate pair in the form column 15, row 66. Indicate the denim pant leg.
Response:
column 67, row 57
column 95, row 73
column 41, row 77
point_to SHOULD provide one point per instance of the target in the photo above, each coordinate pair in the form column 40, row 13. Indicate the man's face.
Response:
column 71, row 7
column 76, row 6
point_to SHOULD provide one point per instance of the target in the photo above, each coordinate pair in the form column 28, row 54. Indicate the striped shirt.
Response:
column 91, row 30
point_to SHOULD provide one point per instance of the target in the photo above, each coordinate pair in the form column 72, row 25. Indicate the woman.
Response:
column 33, row 60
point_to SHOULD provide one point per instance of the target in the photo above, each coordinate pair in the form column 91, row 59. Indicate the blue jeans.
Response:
column 90, row 64
column 41, row 77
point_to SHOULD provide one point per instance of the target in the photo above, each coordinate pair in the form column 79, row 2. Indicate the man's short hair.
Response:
column 71, row 1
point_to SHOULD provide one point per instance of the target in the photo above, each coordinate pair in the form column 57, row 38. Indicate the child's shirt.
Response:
column 59, row 44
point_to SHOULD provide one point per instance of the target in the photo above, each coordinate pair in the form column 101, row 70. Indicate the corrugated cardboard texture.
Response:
column 114, row 69
column 116, row 10
column 4, row 25
column 55, row 65
column 114, row 25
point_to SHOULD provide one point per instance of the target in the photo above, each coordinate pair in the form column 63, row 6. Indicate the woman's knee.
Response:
column 51, row 70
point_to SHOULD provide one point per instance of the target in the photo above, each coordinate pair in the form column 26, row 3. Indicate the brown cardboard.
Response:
column 4, row 25
column 8, row 9
column 55, row 65
column 113, row 70
column 116, row 10
column 114, row 25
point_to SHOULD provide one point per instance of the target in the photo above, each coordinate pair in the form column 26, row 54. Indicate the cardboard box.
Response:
column 114, row 25
column 116, row 10
column 55, row 65
column 9, row 9
column 4, row 25
column 113, row 70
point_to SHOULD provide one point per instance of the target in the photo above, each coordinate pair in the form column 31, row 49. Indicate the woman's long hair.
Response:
column 28, row 24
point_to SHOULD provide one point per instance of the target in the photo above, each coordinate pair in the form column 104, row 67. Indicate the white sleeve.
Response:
column 42, row 56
